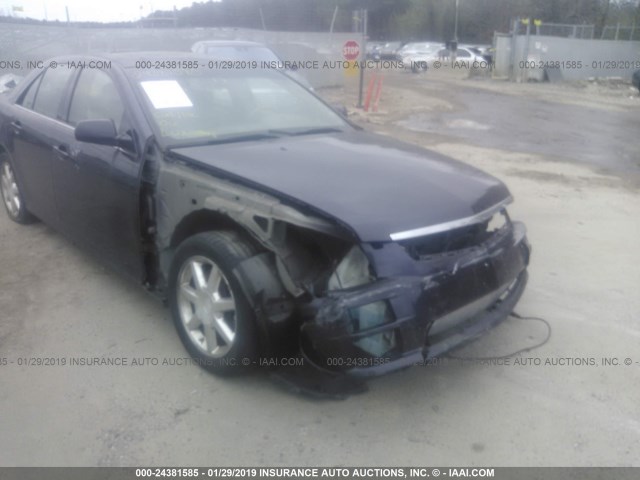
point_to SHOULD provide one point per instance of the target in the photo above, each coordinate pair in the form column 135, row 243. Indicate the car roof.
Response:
column 126, row 61
column 229, row 43
column 411, row 44
column 125, row 58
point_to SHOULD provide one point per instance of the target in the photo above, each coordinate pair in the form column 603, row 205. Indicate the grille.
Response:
column 458, row 239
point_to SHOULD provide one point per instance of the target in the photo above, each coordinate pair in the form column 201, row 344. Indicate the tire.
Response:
column 10, row 194
column 214, row 320
column 419, row 67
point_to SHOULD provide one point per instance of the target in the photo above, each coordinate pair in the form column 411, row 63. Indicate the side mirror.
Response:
column 103, row 132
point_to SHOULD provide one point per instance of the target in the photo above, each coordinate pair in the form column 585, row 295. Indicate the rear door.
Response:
column 35, row 126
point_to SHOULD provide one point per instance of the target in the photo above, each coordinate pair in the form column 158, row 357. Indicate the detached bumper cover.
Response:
column 444, row 303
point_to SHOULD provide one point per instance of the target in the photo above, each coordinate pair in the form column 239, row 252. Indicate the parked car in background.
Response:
column 373, row 50
column 477, row 49
column 412, row 54
column 238, row 51
column 389, row 49
column 9, row 81
column 469, row 57
column 484, row 51
column 415, row 48
column 464, row 58
column 268, row 222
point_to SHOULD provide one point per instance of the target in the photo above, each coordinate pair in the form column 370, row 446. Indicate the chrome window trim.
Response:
column 44, row 116
column 453, row 224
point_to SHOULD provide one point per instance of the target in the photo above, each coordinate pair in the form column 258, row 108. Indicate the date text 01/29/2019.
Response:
column 313, row 472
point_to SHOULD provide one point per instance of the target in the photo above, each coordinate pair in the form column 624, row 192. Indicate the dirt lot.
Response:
column 571, row 157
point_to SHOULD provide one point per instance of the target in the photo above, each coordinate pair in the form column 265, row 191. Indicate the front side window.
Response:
column 50, row 93
column 95, row 97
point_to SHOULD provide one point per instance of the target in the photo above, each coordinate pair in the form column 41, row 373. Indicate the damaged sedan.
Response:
column 269, row 223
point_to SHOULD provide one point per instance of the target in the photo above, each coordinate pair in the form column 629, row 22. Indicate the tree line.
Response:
column 406, row 20
column 401, row 20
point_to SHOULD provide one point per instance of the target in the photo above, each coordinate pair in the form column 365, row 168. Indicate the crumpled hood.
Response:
column 374, row 184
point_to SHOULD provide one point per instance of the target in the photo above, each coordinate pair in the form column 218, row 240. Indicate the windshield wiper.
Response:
column 308, row 131
column 311, row 131
column 249, row 137
column 229, row 139
column 245, row 138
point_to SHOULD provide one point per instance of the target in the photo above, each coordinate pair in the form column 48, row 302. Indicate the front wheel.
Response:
column 211, row 314
column 11, row 195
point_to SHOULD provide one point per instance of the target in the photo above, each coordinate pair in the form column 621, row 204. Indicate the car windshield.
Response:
column 192, row 107
column 241, row 52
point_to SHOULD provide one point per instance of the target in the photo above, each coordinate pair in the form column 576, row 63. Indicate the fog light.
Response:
column 353, row 271
column 371, row 316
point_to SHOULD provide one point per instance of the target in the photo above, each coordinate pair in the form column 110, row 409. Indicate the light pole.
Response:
column 455, row 35
column 455, row 24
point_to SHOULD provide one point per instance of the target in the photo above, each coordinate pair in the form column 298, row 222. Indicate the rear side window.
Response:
column 30, row 95
column 51, row 91
column 96, row 98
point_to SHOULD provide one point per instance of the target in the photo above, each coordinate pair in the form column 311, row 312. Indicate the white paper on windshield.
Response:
column 166, row 94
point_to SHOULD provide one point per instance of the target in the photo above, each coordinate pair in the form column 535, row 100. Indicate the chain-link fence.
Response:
column 555, row 29
column 616, row 32
column 567, row 31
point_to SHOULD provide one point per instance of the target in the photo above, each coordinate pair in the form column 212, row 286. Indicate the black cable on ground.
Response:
column 522, row 350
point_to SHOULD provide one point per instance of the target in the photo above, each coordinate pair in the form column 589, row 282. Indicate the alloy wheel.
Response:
column 10, row 192
column 206, row 306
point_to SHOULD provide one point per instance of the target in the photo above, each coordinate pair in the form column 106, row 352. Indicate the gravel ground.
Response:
column 571, row 159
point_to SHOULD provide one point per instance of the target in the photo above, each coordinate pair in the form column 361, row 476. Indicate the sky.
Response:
column 86, row 10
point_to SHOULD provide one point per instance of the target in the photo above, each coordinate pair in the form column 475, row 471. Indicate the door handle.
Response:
column 62, row 150
column 17, row 126
column 63, row 153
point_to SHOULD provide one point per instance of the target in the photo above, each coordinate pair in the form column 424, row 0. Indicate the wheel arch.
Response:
column 193, row 223
column 257, row 275
column 205, row 220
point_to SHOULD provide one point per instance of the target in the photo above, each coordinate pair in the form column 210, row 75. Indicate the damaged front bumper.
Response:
column 399, row 321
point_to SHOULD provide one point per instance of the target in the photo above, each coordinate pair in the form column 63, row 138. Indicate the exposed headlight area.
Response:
column 354, row 271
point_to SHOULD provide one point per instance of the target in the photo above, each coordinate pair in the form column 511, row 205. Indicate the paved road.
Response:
column 605, row 138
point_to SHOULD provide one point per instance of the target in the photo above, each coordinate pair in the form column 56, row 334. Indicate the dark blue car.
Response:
column 266, row 220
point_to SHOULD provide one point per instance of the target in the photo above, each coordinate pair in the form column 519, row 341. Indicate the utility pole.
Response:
column 363, row 20
column 514, row 44
column 455, row 24
column 455, row 35
column 333, row 20
column 525, row 72
column 264, row 26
